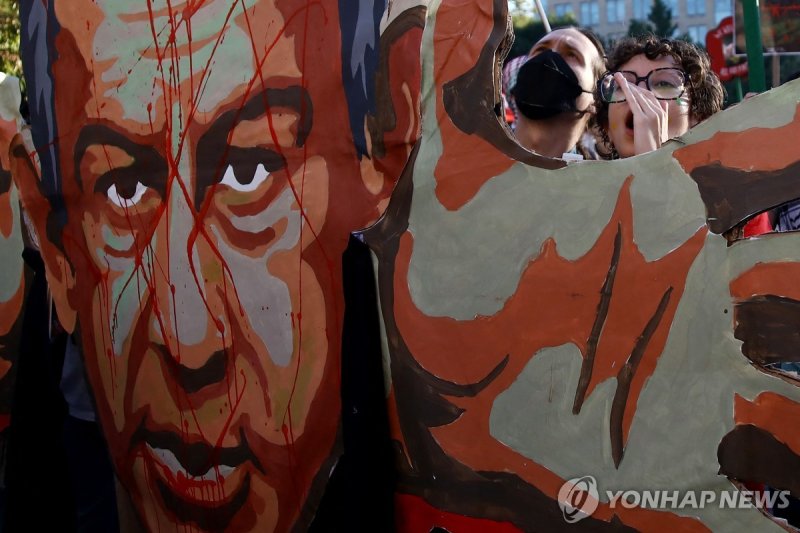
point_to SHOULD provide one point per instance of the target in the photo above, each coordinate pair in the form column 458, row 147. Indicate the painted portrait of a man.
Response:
column 12, row 278
column 202, row 167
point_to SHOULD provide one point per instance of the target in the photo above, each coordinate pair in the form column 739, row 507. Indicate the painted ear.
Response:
column 393, row 126
column 60, row 274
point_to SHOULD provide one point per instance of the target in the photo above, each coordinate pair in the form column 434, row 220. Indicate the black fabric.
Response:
column 91, row 477
column 546, row 86
column 359, row 496
column 791, row 513
column 37, row 486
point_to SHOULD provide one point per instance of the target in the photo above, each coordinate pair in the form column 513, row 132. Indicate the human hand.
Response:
column 650, row 118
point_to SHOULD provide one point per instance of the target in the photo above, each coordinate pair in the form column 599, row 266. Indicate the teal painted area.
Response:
column 134, row 67
column 11, row 252
column 115, row 240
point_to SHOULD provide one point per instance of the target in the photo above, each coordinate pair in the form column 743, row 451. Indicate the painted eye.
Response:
column 126, row 198
column 260, row 175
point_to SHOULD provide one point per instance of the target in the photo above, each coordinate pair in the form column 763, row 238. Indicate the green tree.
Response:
column 9, row 38
column 661, row 18
column 638, row 27
column 659, row 22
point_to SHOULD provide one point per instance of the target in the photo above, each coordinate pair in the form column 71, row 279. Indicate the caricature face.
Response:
column 611, row 332
column 620, row 117
column 200, row 149
column 12, row 276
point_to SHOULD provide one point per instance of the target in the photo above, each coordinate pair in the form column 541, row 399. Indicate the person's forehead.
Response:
column 641, row 64
column 567, row 37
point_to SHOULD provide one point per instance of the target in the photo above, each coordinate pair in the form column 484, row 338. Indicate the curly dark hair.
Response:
column 706, row 95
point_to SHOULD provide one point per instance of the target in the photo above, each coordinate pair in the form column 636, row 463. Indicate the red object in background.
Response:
column 758, row 225
column 509, row 115
column 719, row 59
column 415, row 515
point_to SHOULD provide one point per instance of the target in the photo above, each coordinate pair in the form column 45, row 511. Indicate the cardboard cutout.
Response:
column 547, row 322
column 13, row 273
column 203, row 164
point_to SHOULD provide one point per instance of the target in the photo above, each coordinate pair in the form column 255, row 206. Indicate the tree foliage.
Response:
column 661, row 18
column 9, row 38
column 659, row 22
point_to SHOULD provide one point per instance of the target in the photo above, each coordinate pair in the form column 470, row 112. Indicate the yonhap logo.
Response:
column 578, row 498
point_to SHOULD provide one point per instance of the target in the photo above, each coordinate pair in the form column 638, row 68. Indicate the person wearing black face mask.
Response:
column 553, row 91
column 546, row 87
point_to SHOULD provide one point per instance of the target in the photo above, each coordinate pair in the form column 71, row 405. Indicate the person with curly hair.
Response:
column 655, row 89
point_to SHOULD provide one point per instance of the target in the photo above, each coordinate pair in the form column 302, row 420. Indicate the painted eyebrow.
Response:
column 294, row 97
column 144, row 155
column 213, row 148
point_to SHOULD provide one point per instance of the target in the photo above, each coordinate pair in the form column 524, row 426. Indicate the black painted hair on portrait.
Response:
column 39, row 28
column 359, row 23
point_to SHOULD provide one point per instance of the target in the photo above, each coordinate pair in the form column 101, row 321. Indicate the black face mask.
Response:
column 546, row 86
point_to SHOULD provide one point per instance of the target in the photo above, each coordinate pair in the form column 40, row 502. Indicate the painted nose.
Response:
column 190, row 313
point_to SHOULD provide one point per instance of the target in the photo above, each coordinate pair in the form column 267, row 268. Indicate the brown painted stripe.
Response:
column 749, row 453
column 625, row 376
column 769, row 328
column 5, row 180
column 597, row 328
column 732, row 195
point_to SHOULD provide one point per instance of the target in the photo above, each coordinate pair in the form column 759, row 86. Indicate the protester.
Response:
column 510, row 71
column 553, row 91
column 655, row 89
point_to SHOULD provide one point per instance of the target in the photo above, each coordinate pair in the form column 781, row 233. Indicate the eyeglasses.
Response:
column 665, row 83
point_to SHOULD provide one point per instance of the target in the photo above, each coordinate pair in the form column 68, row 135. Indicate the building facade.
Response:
column 610, row 18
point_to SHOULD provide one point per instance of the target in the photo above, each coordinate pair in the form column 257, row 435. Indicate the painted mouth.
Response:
column 215, row 474
column 198, row 482
column 216, row 518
